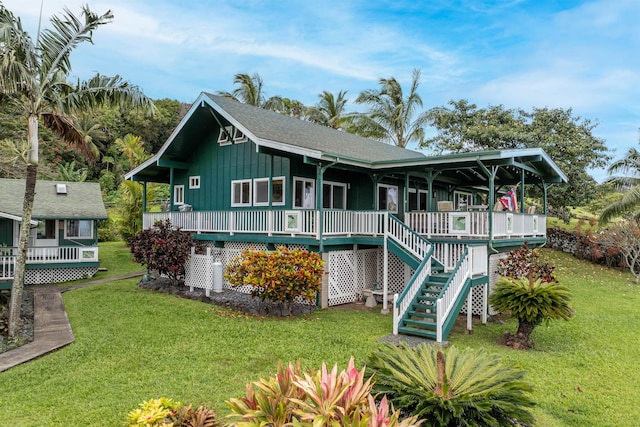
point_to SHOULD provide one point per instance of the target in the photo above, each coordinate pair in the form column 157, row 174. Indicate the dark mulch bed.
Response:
column 228, row 298
column 25, row 333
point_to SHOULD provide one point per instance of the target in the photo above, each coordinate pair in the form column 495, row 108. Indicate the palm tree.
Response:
column 92, row 134
column 629, row 166
column 330, row 110
column 68, row 172
column 34, row 76
column 249, row 91
column 132, row 148
column 392, row 112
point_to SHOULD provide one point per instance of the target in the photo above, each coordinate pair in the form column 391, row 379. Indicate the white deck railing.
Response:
column 402, row 302
column 46, row 255
column 451, row 291
column 407, row 238
column 475, row 224
column 270, row 222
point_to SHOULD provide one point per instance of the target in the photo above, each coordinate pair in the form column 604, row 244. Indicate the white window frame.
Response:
column 194, row 182
column 239, row 136
column 457, row 196
column 304, row 181
column 284, row 190
column 178, row 194
column 241, row 182
column 67, row 236
column 387, row 187
column 256, row 181
column 223, row 137
column 336, row 184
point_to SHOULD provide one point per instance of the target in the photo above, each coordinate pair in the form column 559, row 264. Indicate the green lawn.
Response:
column 132, row 345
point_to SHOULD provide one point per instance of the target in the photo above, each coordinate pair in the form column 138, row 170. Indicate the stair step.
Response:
column 418, row 306
column 425, row 298
column 419, row 323
column 413, row 313
column 418, row 332
column 439, row 277
column 425, row 291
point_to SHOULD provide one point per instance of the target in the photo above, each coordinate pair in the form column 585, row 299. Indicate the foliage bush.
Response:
column 163, row 248
column 107, row 231
column 531, row 301
column 281, row 275
column 323, row 398
column 154, row 413
column 525, row 262
column 165, row 412
column 448, row 387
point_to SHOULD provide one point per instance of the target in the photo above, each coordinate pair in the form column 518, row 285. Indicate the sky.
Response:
column 527, row 54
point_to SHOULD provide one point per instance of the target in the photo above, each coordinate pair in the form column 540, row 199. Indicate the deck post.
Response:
column 324, row 290
column 385, row 278
column 470, row 311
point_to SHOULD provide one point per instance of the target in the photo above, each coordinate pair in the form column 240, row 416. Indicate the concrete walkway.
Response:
column 51, row 329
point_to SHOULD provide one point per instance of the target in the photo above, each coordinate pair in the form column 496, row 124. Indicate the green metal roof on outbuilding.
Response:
column 82, row 200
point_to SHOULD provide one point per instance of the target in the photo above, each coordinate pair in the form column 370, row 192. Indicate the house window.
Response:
column 277, row 190
column 178, row 194
column 194, row 182
column 462, row 199
column 78, row 229
column 261, row 192
column 224, row 138
column 241, row 192
column 304, row 193
column 334, row 195
column 388, row 198
column 46, row 229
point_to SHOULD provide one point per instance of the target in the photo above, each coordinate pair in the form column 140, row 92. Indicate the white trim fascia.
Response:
column 17, row 218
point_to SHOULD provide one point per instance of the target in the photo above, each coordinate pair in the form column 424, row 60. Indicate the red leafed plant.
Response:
column 162, row 248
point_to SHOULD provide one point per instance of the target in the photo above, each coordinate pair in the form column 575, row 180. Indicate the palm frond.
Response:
column 630, row 201
column 56, row 45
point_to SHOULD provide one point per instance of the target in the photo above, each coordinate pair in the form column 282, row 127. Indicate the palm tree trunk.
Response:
column 21, row 259
column 525, row 329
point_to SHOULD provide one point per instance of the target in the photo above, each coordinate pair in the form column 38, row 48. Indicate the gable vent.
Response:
column 61, row 188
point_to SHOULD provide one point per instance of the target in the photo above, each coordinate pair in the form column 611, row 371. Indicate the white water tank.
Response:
column 217, row 276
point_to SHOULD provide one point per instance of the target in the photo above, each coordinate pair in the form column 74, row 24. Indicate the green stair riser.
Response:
column 418, row 332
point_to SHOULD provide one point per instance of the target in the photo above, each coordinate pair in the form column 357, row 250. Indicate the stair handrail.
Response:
column 451, row 290
column 409, row 239
column 402, row 301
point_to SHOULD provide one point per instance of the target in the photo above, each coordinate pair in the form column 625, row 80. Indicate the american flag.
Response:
column 509, row 201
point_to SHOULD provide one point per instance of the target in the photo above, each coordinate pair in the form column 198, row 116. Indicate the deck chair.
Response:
column 498, row 207
column 531, row 210
column 445, row 205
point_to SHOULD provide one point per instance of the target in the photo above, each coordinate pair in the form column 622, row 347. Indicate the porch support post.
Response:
column 545, row 187
column 406, row 194
column 319, row 177
column 324, row 290
column 470, row 311
column 385, row 270
column 522, row 191
column 144, row 197
column 171, row 189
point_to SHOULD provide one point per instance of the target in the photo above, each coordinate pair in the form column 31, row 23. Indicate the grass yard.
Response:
column 132, row 345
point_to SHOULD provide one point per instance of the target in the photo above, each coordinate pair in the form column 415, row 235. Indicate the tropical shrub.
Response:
column 162, row 248
column 324, row 398
column 448, row 387
column 154, row 413
column 202, row 416
column 531, row 301
column 281, row 275
column 525, row 262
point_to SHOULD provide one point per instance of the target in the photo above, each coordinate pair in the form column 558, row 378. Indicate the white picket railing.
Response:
column 402, row 302
column 7, row 266
column 475, row 224
column 407, row 238
column 451, row 292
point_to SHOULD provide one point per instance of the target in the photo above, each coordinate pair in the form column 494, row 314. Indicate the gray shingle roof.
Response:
column 82, row 201
column 272, row 126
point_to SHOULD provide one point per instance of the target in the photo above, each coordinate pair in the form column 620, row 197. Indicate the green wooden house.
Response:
column 420, row 233
column 63, row 244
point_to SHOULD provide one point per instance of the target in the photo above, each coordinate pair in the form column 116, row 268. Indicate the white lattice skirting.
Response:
column 57, row 275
